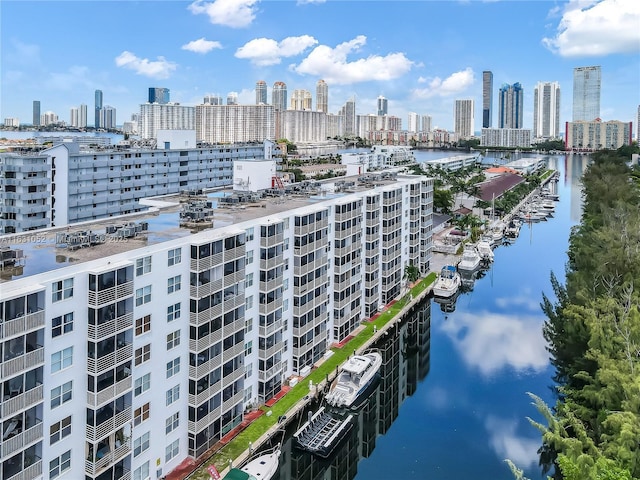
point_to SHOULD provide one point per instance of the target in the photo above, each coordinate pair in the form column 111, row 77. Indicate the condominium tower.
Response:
column 261, row 92
column 36, row 113
column 464, row 118
column 301, row 100
column 322, row 96
column 586, row 93
column 78, row 116
column 159, row 95
column 279, row 96
column 487, row 98
column 383, row 105
column 98, row 107
column 510, row 106
column 546, row 110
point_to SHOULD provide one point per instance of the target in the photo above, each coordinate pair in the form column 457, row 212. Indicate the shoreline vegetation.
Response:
column 593, row 335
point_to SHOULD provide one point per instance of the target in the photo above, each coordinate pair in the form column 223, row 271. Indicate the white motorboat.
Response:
column 353, row 380
column 263, row 467
column 470, row 260
column 447, row 283
column 485, row 251
column 513, row 229
column 497, row 232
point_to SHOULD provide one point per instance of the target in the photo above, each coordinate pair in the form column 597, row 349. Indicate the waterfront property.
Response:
column 141, row 351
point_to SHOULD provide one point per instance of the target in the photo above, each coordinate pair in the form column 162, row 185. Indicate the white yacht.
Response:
column 513, row 229
column 263, row 467
column 471, row 259
column 485, row 251
column 354, row 378
column 447, row 283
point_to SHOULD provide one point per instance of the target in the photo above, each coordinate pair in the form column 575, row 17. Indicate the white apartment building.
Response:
column 454, row 163
column 506, row 137
column 597, row 135
column 464, row 118
column 234, row 123
column 546, row 110
column 414, row 122
column 303, row 125
column 78, row 116
column 122, row 365
column 63, row 185
column 164, row 116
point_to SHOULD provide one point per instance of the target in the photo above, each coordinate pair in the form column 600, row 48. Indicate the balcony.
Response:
column 110, row 360
column 110, row 295
column 267, row 353
column 232, row 377
column 205, row 394
column 109, row 426
column 265, row 331
column 238, row 398
column 268, row 264
column 28, row 361
column 206, row 341
column 263, row 376
column 107, row 458
column 265, row 309
column 107, row 329
column 22, row 401
column 234, row 351
column 272, row 240
column 21, row 325
column 207, row 262
column 206, row 367
column 96, row 399
column 22, row 439
column 29, row 473
column 205, row 421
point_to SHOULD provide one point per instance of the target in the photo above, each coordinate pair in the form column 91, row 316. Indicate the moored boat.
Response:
column 470, row 261
column 447, row 283
column 263, row 467
column 354, row 379
column 485, row 251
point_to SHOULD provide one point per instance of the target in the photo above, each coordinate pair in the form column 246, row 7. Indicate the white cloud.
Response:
column 266, row 51
column 491, row 342
column 332, row 64
column 436, row 87
column 160, row 68
column 201, row 45
column 503, row 439
column 522, row 299
column 230, row 13
column 597, row 27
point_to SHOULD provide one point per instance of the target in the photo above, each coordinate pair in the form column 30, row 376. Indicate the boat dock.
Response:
column 322, row 432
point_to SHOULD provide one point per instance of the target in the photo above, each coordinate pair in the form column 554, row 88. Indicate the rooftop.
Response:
column 58, row 247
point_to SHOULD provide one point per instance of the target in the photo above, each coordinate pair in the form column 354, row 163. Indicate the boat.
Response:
column 354, row 379
column 497, row 232
column 470, row 261
column 485, row 251
column 513, row 229
column 324, row 431
column 263, row 467
column 447, row 283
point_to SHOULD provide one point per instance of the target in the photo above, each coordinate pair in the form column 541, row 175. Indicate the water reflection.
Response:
column 405, row 352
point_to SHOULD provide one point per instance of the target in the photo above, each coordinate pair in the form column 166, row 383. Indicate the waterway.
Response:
column 453, row 400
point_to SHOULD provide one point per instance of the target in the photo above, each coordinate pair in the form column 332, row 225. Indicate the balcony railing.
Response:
column 108, row 426
column 92, row 468
column 21, row 325
column 110, row 295
column 107, row 329
column 28, row 361
column 106, row 362
column 22, row 401
column 22, row 439
column 29, row 473
column 109, row 393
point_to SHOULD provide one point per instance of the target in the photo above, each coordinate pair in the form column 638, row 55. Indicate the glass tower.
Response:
column 158, row 95
column 261, row 92
column 383, row 105
column 487, row 98
column 36, row 113
column 586, row 93
column 279, row 96
column 322, row 96
column 98, row 104
column 510, row 106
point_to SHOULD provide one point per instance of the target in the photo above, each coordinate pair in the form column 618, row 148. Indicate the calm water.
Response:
column 459, row 404
column 14, row 135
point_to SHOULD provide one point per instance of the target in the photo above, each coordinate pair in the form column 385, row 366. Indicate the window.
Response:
column 173, row 284
column 143, row 266
column 59, row 430
column 142, row 384
column 143, row 354
column 142, row 472
column 60, row 464
column 173, row 394
column 140, row 444
column 248, row 347
column 174, row 256
column 173, row 312
column 249, row 280
column 141, row 414
column 248, row 303
column 173, row 339
column 249, row 257
column 173, row 367
column 172, row 422
column 143, row 325
column 172, row 450
column 61, row 359
column 62, row 324
column 61, row 394
column 248, row 371
column 61, row 290
column 143, row 295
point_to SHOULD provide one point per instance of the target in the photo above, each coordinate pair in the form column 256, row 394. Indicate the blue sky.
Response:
column 421, row 55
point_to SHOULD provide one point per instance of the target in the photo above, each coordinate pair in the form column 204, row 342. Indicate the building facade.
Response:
column 97, row 108
column 170, row 116
column 301, row 100
column 597, row 135
column 414, row 122
column 322, row 96
column 302, row 126
column 586, row 93
column 383, row 105
column 464, row 118
column 234, row 123
column 348, row 111
column 78, row 117
column 122, row 366
column 510, row 106
column 36, row 113
column 487, row 99
column 279, row 96
column 159, row 95
column 261, row 92
column 546, row 110
column 506, row 137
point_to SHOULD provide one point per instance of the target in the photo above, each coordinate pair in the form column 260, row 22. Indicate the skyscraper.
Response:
column 348, row 111
column 301, row 100
column 79, row 116
column 232, row 98
column 383, row 105
column 279, row 96
column 487, row 98
column 322, row 96
column 98, row 107
column 212, row 99
column 158, row 95
column 546, row 110
column 510, row 106
column 108, row 117
column 261, row 92
column 463, row 118
column 36, row 113
column 414, row 122
column 586, row 93
column 426, row 123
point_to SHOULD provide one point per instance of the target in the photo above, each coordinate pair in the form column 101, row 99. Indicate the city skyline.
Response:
column 206, row 49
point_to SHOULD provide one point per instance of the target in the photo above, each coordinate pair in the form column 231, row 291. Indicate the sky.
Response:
column 421, row 55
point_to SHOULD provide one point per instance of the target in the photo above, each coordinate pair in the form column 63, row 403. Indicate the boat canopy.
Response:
column 237, row 474
column 357, row 365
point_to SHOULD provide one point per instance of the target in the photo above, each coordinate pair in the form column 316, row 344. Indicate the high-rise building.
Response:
column 414, row 122
column 348, row 111
column 48, row 118
column 596, row 135
column 98, row 107
column 232, row 98
column 159, row 95
column 170, row 116
column 487, row 98
column 301, row 100
column 383, row 105
column 464, row 118
column 510, row 106
column 261, row 92
column 79, row 116
column 214, row 99
column 108, row 117
column 36, row 113
column 279, row 96
column 234, row 123
column 638, row 126
column 322, row 96
column 426, row 121
column 586, row 93
column 546, row 110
